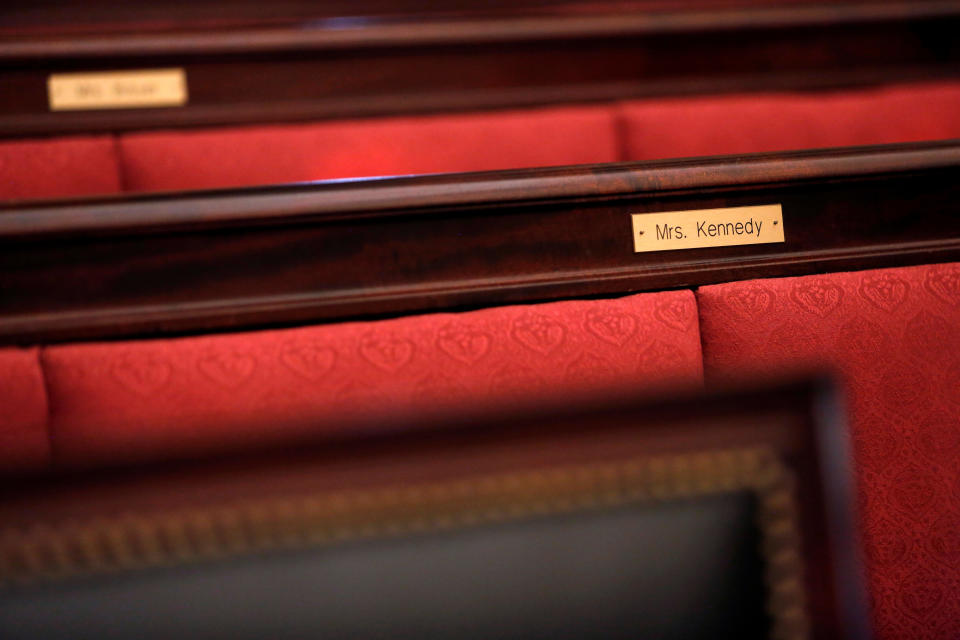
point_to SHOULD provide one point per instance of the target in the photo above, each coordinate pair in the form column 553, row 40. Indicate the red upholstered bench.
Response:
column 633, row 130
column 246, row 156
column 242, row 156
column 714, row 125
column 24, row 411
column 59, row 167
column 893, row 335
column 109, row 403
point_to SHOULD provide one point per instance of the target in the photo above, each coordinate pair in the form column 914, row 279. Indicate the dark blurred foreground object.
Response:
column 722, row 515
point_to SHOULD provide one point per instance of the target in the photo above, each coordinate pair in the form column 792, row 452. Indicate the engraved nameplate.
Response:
column 139, row 89
column 696, row 229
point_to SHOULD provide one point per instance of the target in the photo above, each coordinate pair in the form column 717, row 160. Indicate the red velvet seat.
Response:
column 637, row 130
column 24, row 437
column 74, row 166
column 121, row 401
column 717, row 125
column 390, row 146
column 894, row 335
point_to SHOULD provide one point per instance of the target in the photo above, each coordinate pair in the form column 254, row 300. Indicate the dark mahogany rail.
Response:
column 191, row 262
column 295, row 61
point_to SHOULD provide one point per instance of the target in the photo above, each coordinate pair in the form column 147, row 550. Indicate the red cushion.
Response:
column 24, row 441
column 162, row 398
column 391, row 146
column 895, row 337
column 58, row 168
column 713, row 125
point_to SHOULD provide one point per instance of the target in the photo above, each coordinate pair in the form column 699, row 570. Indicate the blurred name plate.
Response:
column 701, row 228
column 136, row 89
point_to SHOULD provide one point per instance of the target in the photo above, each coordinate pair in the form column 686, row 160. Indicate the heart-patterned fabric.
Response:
column 894, row 337
column 166, row 398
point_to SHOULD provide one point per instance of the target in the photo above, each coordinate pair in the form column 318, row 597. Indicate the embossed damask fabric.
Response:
column 244, row 156
column 121, row 401
column 24, row 443
column 75, row 166
column 894, row 337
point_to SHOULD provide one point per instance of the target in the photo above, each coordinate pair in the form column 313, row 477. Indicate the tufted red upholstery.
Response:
column 387, row 146
column 166, row 398
column 716, row 125
column 24, row 442
column 60, row 167
column 895, row 336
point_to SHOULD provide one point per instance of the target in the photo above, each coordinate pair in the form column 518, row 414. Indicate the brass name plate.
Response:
column 696, row 229
column 139, row 89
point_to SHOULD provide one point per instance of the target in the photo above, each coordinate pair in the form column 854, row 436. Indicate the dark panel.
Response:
column 35, row 17
column 475, row 60
column 159, row 264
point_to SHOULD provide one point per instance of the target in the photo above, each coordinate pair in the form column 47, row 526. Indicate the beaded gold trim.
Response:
column 138, row 540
